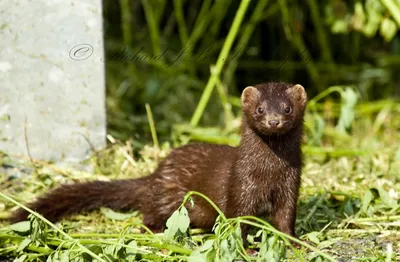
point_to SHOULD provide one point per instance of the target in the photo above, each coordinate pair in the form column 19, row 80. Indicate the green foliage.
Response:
column 111, row 214
column 358, row 200
column 175, row 55
column 369, row 18
column 163, row 54
column 177, row 224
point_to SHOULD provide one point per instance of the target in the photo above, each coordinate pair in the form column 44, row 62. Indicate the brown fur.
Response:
column 260, row 177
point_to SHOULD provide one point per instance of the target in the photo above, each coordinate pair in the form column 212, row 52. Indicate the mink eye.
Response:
column 288, row 110
column 260, row 110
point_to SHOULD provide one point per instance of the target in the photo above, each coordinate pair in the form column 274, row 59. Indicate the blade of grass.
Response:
column 152, row 126
column 320, row 32
column 225, row 102
column 244, row 39
column 219, row 10
column 299, row 44
column 220, row 62
column 153, row 27
column 126, row 20
column 183, row 32
column 52, row 226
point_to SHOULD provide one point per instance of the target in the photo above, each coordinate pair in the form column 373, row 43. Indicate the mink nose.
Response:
column 273, row 123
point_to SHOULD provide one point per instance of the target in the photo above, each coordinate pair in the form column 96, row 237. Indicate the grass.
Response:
column 348, row 209
column 349, row 204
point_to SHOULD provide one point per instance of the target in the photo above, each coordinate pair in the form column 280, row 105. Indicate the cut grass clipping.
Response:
column 348, row 208
column 356, row 222
column 38, row 237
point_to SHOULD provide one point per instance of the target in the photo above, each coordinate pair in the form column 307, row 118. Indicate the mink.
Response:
column 260, row 177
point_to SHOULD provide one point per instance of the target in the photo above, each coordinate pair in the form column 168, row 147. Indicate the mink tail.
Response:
column 71, row 199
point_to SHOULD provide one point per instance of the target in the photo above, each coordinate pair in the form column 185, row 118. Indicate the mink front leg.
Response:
column 284, row 216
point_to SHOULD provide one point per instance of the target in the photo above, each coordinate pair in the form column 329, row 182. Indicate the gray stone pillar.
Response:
column 52, row 78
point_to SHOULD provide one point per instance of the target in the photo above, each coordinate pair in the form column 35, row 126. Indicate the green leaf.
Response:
column 227, row 251
column 398, row 154
column 133, row 247
column 172, row 226
column 368, row 197
column 388, row 29
column 348, row 208
column 313, row 237
column 111, row 214
column 327, row 243
column 270, row 255
column 179, row 221
column 359, row 16
column 64, row 257
column 112, row 250
column 24, row 244
column 38, row 229
column 339, row 27
column 197, row 257
column 262, row 254
column 203, row 253
column 347, row 109
column 184, row 220
column 22, row 227
column 386, row 198
column 78, row 259
column 21, row 258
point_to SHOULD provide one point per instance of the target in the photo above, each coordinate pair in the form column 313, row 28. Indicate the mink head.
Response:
column 274, row 108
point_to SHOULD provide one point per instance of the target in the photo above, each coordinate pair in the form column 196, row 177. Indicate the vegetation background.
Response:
column 175, row 71
column 161, row 52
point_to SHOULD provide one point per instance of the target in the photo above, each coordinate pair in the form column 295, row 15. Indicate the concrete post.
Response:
column 52, row 87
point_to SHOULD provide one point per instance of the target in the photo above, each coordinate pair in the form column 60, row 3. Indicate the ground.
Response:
column 348, row 209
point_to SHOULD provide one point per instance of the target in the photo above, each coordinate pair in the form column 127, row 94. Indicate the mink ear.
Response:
column 249, row 94
column 298, row 93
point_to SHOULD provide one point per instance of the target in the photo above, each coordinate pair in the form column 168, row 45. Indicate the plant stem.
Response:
column 199, row 27
column 299, row 44
column 225, row 102
column 341, row 232
column 325, row 93
column 307, row 59
column 321, row 36
column 244, row 39
column 219, row 10
column 267, row 227
column 126, row 20
column 190, row 193
column 152, row 125
column 285, row 18
column 183, row 33
column 153, row 27
column 52, row 226
column 220, row 62
column 313, row 209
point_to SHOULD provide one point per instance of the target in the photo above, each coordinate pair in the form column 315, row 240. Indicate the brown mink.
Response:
column 260, row 177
